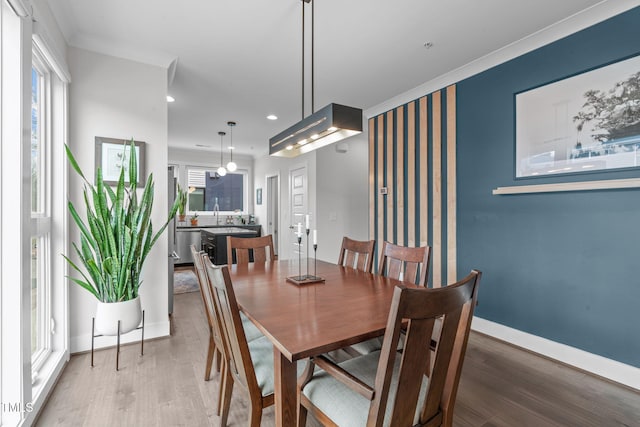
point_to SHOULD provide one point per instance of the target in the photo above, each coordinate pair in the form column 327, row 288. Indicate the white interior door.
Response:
column 298, row 207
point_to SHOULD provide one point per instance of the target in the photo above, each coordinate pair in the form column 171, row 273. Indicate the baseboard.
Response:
column 598, row 365
column 81, row 343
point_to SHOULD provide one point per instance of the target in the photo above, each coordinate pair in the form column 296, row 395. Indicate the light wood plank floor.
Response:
column 500, row 386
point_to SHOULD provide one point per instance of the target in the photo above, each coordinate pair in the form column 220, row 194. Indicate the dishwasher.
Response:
column 187, row 237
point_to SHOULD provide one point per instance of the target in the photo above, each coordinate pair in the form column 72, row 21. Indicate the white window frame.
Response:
column 18, row 35
column 245, row 190
column 41, row 220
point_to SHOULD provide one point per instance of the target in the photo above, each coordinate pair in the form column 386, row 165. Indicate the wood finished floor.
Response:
column 500, row 386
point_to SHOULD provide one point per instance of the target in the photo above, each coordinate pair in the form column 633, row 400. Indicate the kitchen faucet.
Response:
column 216, row 211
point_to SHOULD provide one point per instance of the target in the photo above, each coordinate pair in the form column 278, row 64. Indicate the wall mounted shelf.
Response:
column 569, row 186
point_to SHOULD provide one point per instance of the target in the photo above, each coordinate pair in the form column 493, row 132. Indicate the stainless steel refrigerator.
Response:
column 171, row 233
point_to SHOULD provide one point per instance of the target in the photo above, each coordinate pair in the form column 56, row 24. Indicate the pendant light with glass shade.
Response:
column 231, row 166
column 221, row 170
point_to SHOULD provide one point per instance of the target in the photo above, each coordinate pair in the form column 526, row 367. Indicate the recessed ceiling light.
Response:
column 170, row 98
column 272, row 117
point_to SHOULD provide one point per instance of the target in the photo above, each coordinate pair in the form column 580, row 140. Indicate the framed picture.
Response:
column 584, row 123
column 258, row 196
column 113, row 154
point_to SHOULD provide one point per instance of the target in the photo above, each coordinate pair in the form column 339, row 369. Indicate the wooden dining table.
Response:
column 307, row 320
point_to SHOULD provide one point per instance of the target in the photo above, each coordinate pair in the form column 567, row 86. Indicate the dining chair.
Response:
column 404, row 263
column 250, row 363
column 215, row 343
column 216, row 346
column 245, row 246
column 401, row 263
column 388, row 387
column 357, row 254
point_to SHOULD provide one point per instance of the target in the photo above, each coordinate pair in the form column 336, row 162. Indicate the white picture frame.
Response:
column 584, row 123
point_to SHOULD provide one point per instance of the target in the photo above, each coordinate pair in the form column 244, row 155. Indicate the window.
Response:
column 209, row 192
column 32, row 147
column 40, row 212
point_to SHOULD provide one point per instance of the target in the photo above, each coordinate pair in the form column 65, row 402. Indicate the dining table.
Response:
column 306, row 320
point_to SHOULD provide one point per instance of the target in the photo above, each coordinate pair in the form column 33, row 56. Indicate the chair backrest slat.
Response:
column 357, row 254
column 404, row 263
column 244, row 246
column 207, row 300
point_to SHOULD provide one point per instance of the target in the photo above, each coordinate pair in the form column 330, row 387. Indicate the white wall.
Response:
column 338, row 194
column 343, row 195
column 267, row 166
column 118, row 98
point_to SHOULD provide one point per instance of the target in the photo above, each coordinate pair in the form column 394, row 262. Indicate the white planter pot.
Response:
column 129, row 313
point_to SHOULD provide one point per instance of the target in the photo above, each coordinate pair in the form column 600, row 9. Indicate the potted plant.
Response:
column 194, row 219
column 181, row 197
column 115, row 239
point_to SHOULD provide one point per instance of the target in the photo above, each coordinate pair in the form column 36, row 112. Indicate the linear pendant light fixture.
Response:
column 330, row 124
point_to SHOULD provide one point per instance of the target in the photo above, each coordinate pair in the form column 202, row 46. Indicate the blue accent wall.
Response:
column 564, row 266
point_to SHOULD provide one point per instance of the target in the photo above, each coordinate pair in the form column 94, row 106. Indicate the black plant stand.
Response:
column 93, row 336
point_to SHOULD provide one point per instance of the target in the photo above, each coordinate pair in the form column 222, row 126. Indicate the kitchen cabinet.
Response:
column 214, row 241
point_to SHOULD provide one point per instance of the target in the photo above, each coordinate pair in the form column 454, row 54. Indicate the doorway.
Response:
column 273, row 187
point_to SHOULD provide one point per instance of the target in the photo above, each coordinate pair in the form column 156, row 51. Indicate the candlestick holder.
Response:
column 307, row 253
column 315, row 258
column 300, row 277
column 307, row 279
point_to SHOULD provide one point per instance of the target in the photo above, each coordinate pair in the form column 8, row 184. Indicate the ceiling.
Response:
column 241, row 60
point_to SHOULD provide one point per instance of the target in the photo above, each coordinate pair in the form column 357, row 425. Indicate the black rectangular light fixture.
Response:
column 326, row 126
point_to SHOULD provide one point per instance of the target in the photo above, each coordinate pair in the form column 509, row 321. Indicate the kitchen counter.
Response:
column 229, row 230
column 186, row 225
column 209, row 236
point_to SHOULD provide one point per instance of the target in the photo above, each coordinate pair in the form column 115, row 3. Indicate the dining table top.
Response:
column 310, row 319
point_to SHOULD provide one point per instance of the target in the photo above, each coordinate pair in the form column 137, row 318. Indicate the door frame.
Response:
column 268, row 199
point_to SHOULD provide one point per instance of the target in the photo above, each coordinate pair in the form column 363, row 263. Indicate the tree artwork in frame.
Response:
column 588, row 122
column 113, row 154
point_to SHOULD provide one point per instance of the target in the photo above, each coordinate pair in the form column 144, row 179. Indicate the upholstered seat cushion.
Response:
column 344, row 406
column 250, row 330
column 261, row 351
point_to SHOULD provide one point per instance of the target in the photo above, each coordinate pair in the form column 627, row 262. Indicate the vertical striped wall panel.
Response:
column 412, row 175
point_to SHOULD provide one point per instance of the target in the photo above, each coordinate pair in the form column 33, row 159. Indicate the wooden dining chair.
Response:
column 357, row 254
column 405, row 263
column 244, row 247
column 401, row 263
column 216, row 346
column 250, row 363
column 215, row 343
column 391, row 385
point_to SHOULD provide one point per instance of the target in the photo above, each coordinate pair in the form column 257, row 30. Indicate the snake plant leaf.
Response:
column 86, row 283
column 73, row 162
column 133, row 165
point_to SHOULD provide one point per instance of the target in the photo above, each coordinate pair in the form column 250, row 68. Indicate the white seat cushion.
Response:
column 344, row 406
column 261, row 351
column 250, row 330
